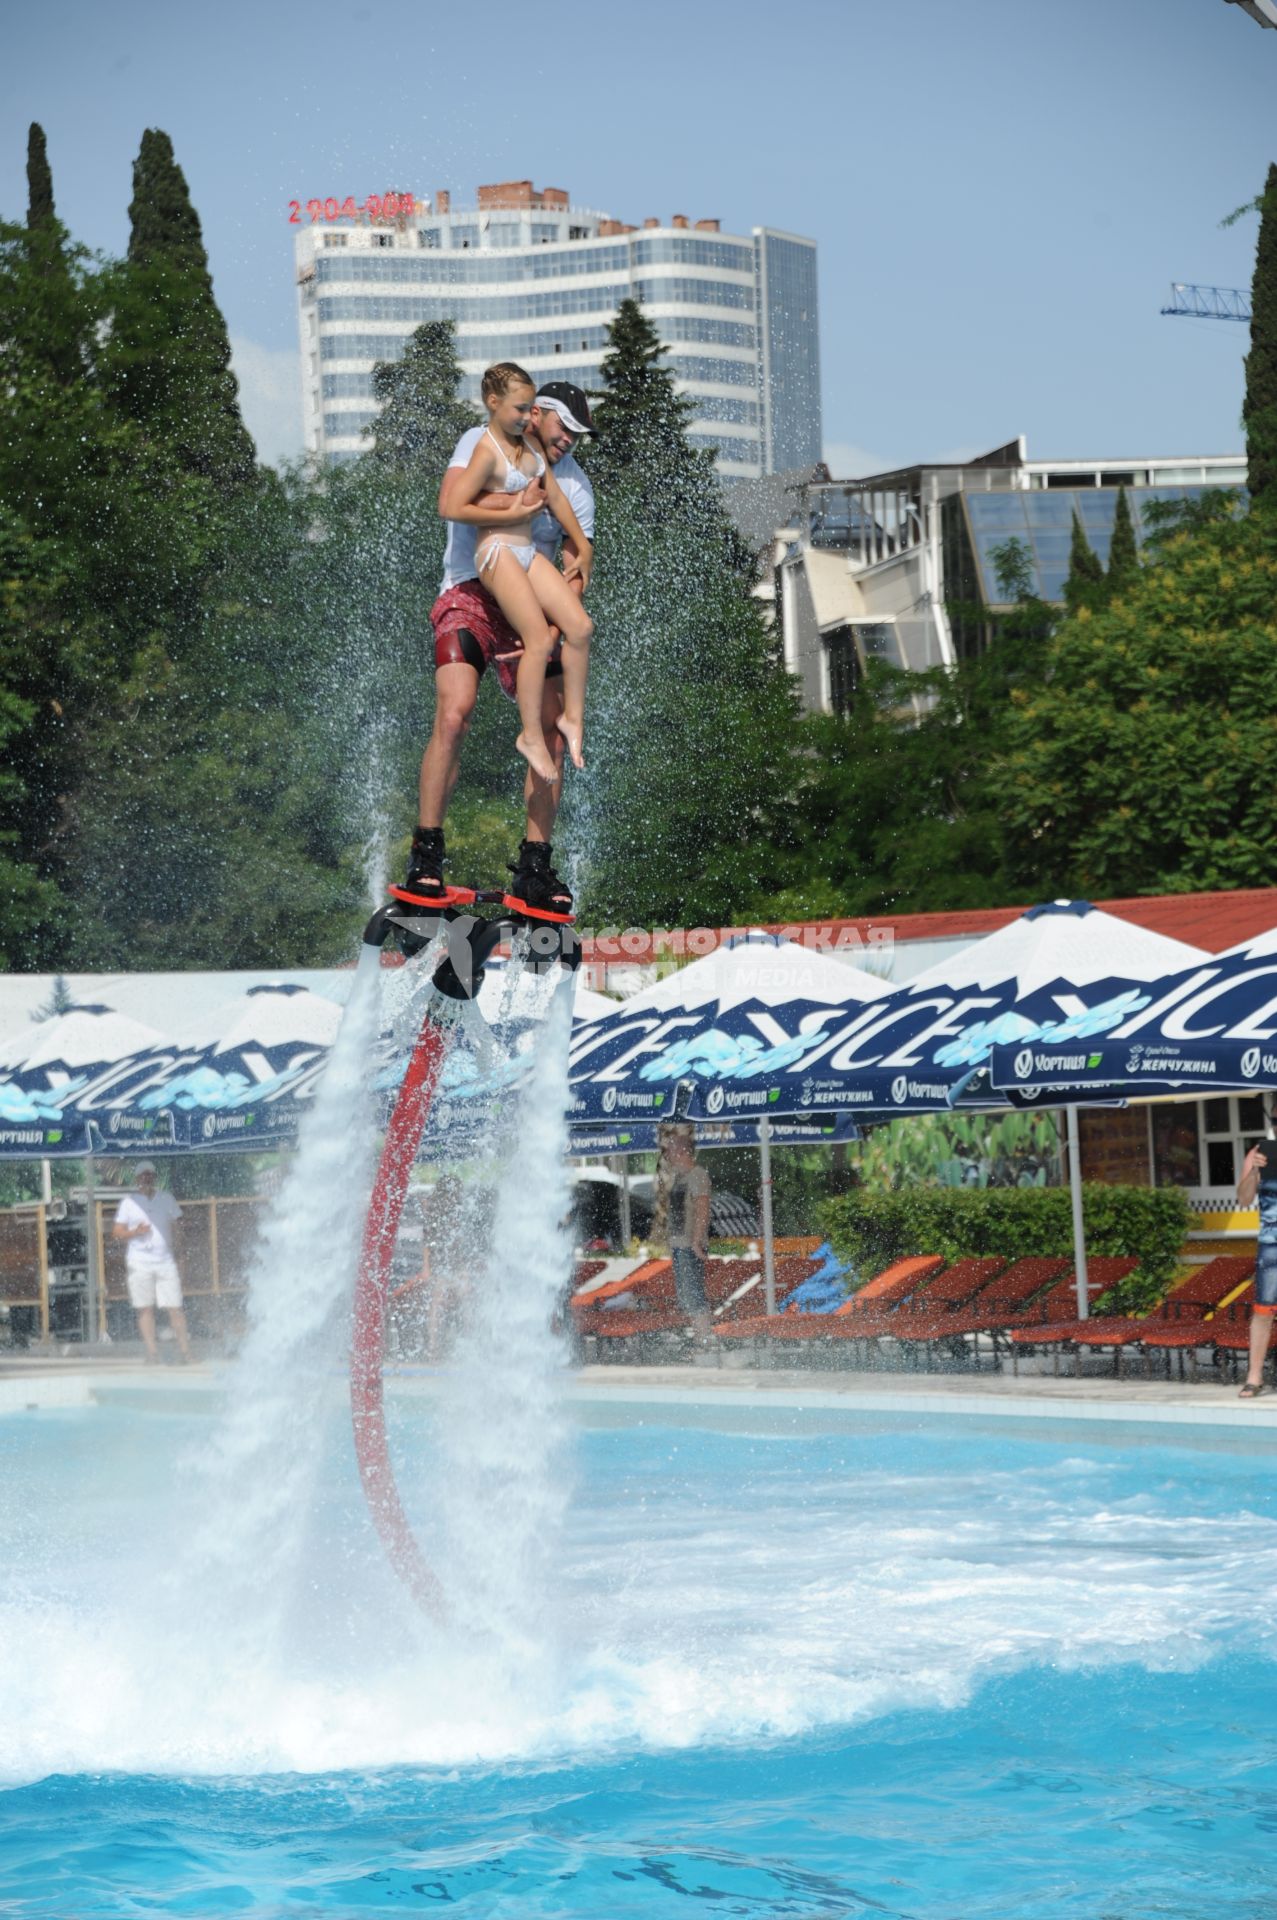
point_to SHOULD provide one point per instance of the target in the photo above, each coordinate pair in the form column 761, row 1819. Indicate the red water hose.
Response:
column 372, row 1291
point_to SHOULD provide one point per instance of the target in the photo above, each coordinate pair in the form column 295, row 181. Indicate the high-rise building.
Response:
column 526, row 276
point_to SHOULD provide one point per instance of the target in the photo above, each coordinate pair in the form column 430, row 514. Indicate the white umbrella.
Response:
column 1069, row 943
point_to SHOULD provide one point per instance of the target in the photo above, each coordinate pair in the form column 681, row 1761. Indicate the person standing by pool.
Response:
column 145, row 1221
column 687, row 1195
column 1258, row 1185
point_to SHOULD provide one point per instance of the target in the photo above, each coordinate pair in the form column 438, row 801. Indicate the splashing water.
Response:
column 504, row 1439
column 259, row 1478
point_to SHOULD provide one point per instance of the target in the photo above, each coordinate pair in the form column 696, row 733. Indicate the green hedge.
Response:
column 870, row 1229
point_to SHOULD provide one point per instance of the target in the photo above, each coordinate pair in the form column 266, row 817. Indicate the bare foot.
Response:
column 538, row 756
column 573, row 732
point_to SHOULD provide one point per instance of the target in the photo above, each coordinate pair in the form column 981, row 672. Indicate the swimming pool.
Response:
column 776, row 1663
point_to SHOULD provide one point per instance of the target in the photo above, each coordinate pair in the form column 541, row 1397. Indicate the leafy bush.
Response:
column 870, row 1229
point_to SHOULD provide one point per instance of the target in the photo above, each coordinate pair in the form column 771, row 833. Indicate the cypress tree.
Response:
column 1084, row 586
column 169, row 356
column 1124, row 559
column 57, row 319
column 642, row 423
column 40, row 214
column 421, row 418
column 1259, row 409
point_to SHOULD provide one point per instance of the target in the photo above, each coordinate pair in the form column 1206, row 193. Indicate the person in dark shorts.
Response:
column 1258, row 1184
column 686, row 1186
column 471, row 634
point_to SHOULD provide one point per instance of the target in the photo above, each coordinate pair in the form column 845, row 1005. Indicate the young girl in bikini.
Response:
column 531, row 593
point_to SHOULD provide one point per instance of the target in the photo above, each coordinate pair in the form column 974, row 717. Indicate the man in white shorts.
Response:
column 145, row 1220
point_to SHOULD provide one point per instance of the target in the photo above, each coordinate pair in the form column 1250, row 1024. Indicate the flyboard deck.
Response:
column 457, row 977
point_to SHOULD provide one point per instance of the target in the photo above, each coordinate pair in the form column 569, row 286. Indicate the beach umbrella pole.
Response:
column 765, row 1197
column 92, row 1274
column 623, row 1166
column 1079, row 1231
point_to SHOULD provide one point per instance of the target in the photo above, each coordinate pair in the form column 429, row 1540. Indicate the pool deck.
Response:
column 35, row 1381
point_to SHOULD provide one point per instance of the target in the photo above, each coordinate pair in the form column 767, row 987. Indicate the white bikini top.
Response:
column 515, row 478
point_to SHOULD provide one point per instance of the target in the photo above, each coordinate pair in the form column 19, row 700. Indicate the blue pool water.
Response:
column 775, row 1664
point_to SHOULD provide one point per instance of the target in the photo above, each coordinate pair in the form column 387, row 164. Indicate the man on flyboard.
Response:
column 471, row 634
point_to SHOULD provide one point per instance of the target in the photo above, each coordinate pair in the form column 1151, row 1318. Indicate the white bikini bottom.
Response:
column 487, row 550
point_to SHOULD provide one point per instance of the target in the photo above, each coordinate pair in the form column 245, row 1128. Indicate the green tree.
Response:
column 40, row 211
column 1144, row 760
column 168, row 359
column 642, row 421
column 1124, row 559
column 1085, row 584
column 420, row 417
column 691, row 720
column 1259, row 409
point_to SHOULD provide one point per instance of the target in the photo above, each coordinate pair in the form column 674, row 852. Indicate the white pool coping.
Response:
column 35, row 1385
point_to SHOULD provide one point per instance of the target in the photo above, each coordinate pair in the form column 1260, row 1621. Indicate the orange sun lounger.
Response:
column 934, row 1304
column 1192, row 1299
column 894, row 1285
column 1195, row 1314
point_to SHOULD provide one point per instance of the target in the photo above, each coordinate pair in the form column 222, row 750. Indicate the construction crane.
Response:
column 1208, row 303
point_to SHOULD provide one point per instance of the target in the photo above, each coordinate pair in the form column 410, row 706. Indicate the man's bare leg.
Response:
column 177, row 1320
column 456, row 690
column 1261, row 1332
column 146, row 1327
column 542, row 797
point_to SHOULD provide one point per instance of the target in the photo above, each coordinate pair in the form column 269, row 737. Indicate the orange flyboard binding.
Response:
column 458, row 976
column 536, row 891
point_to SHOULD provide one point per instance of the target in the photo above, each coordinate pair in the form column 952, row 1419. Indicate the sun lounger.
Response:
column 1188, row 1320
column 892, row 1287
column 938, row 1300
column 656, row 1309
column 1191, row 1300
column 1057, row 1323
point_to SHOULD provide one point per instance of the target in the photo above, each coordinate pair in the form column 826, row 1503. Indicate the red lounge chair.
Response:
column 894, row 1285
column 658, row 1310
column 1050, row 1328
column 1189, row 1319
column 1004, row 1303
column 934, row 1304
column 1201, row 1291
column 746, row 1296
column 1011, row 1300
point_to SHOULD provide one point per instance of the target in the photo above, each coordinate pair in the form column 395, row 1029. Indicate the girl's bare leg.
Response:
column 561, row 605
column 510, row 588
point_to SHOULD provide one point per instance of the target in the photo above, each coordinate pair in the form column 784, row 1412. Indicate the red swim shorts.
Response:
column 471, row 630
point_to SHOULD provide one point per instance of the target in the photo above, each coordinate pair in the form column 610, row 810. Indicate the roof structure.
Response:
column 1214, row 921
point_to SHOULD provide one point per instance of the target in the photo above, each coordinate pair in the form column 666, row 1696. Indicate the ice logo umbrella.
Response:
column 247, row 1075
column 54, row 1074
column 928, row 1045
column 732, row 1016
column 1209, row 1022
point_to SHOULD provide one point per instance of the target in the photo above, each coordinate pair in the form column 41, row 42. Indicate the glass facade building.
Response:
column 904, row 566
column 539, row 281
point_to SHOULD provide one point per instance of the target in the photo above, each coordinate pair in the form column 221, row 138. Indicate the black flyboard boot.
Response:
column 425, row 885
column 536, row 889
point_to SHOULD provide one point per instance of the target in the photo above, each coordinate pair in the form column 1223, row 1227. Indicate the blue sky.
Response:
column 1002, row 190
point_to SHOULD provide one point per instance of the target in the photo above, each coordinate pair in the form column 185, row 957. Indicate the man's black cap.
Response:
column 569, row 403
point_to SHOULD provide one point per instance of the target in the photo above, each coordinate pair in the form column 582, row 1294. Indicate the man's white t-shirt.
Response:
column 157, row 1211
column 458, row 557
